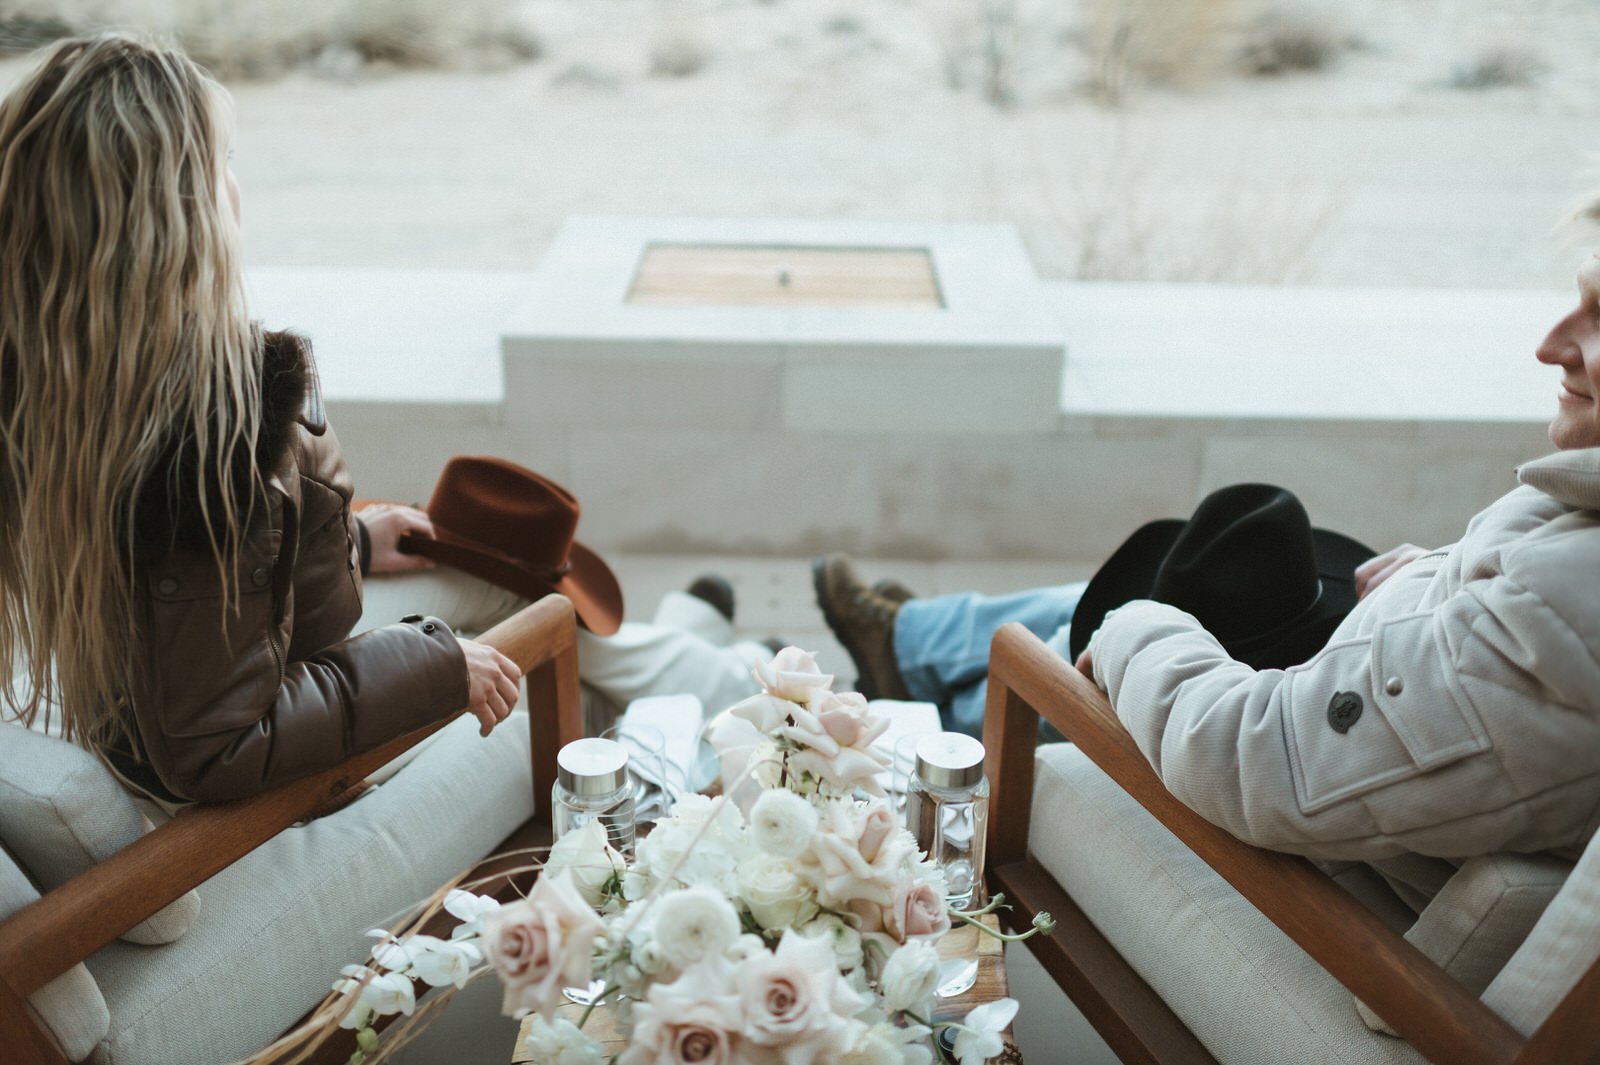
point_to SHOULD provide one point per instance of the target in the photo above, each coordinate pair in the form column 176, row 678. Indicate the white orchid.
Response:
column 470, row 909
column 376, row 993
column 978, row 1037
column 438, row 962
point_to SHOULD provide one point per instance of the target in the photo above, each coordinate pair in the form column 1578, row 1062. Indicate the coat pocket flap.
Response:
column 1414, row 680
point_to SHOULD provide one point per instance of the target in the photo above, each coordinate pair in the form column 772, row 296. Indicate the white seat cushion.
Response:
column 62, row 812
column 1242, row 986
column 276, row 926
column 71, row 1007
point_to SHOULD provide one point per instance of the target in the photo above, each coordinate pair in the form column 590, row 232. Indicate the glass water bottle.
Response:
column 947, row 810
column 592, row 783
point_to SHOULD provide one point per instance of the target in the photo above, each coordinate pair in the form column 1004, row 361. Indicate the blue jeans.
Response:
column 942, row 644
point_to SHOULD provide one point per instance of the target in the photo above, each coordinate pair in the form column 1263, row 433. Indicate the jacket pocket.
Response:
column 1375, row 712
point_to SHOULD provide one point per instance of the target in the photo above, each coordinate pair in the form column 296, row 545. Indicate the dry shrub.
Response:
column 1294, row 37
column 1498, row 66
column 1121, row 215
column 1177, row 43
column 993, row 45
column 679, row 46
column 261, row 38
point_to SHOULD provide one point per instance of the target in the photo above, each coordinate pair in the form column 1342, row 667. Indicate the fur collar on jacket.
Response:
column 168, row 515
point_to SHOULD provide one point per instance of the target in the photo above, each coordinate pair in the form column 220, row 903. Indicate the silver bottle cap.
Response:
column 592, row 767
column 949, row 760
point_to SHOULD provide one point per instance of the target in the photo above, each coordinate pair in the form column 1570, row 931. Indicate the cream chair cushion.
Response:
column 62, row 812
column 276, row 926
column 1481, row 916
column 71, row 1006
column 1560, row 949
column 1243, row 987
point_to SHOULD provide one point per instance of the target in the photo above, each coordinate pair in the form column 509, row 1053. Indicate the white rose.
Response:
column 792, row 674
column 746, row 946
column 587, row 853
column 694, row 923
column 782, row 823
column 909, row 977
column 775, row 896
column 889, row 1044
column 764, row 712
column 560, row 1042
column 845, row 940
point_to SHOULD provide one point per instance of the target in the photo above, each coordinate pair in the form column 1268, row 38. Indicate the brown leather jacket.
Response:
column 231, row 702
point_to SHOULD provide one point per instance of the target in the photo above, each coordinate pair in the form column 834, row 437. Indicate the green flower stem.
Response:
column 1043, row 922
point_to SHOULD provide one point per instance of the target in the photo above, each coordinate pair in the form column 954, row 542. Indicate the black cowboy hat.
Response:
column 1248, row 565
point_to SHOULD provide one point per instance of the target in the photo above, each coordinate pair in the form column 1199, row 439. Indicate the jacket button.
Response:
column 1394, row 686
column 167, row 586
column 411, row 619
column 259, row 576
column 430, row 628
column 1343, row 710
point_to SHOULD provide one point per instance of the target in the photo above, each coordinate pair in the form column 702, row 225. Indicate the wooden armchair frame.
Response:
column 43, row 940
column 1436, row 1014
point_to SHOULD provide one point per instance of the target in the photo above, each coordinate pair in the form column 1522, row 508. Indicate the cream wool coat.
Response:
column 1478, row 673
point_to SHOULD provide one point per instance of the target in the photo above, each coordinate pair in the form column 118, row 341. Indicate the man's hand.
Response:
column 386, row 523
column 491, row 684
column 1085, row 664
column 1374, row 571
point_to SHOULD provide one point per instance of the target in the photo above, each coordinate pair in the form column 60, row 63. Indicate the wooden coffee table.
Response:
column 958, row 942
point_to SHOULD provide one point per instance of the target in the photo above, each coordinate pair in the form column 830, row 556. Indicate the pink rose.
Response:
column 860, row 856
column 835, row 732
column 792, row 674
column 918, row 912
column 795, row 1001
column 692, row 1021
column 541, row 944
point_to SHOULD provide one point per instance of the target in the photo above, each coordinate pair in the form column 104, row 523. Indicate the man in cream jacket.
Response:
column 1454, row 712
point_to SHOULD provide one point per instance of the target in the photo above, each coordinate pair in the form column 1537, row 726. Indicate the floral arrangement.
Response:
column 788, row 920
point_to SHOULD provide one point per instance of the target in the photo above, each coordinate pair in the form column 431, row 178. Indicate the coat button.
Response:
column 259, row 576
column 429, row 627
column 1343, row 710
column 167, row 586
column 1394, row 686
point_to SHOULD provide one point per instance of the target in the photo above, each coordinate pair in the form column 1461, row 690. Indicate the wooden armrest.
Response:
column 1431, row 1010
column 48, row 937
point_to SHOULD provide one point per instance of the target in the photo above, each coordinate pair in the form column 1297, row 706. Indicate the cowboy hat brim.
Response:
column 589, row 583
column 1130, row 573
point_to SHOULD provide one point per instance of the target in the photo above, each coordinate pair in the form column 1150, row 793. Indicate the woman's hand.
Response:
column 1085, row 664
column 492, row 680
column 386, row 523
column 1374, row 571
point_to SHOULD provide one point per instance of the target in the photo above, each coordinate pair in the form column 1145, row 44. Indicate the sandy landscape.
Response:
column 1439, row 143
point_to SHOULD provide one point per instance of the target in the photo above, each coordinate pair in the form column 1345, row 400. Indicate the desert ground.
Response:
column 1433, row 142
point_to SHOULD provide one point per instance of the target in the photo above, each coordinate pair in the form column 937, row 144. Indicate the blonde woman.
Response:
column 180, row 570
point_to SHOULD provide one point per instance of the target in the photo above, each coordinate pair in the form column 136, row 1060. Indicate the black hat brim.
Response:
column 1130, row 573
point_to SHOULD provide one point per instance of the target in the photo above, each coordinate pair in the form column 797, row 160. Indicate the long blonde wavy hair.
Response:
column 124, row 335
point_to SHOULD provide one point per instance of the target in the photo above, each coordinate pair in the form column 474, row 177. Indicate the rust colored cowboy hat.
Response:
column 513, row 528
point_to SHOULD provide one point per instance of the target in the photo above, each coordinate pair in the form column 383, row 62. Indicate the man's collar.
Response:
column 1573, row 477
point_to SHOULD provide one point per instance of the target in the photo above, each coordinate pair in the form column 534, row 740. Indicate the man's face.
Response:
column 1574, row 346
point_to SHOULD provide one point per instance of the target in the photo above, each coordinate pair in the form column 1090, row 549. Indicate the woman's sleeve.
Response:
column 223, row 713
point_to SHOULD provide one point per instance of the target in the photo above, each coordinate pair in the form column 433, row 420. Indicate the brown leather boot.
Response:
column 890, row 588
column 863, row 620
